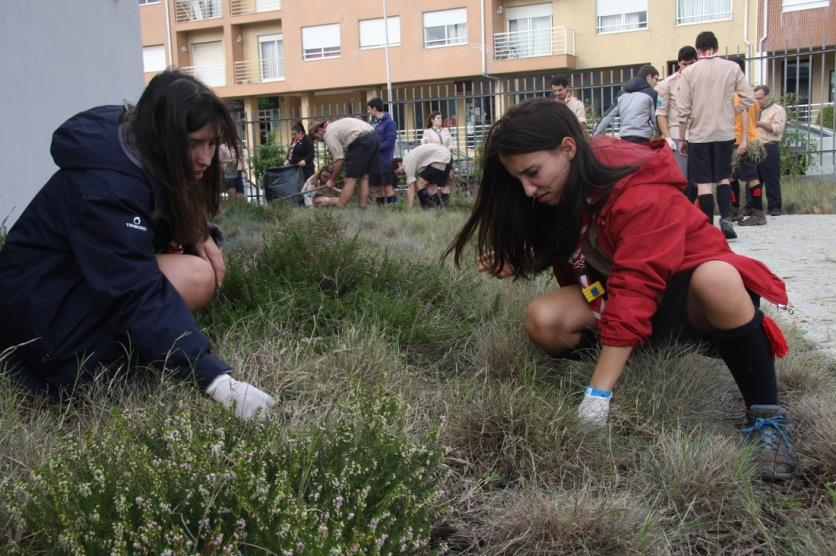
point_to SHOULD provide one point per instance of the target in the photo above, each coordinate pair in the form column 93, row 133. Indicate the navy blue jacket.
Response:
column 387, row 132
column 78, row 273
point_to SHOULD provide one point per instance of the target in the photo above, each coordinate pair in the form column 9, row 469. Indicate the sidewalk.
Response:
column 801, row 249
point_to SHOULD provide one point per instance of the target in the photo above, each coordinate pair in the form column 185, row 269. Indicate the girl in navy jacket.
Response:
column 108, row 261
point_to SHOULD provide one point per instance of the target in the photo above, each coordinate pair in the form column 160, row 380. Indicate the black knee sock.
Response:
column 724, row 199
column 380, row 201
column 735, row 193
column 445, row 198
column 757, row 197
column 707, row 206
column 691, row 192
column 747, row 354
column 424, row 198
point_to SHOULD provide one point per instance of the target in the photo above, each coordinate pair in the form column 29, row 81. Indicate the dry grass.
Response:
column 669, row 476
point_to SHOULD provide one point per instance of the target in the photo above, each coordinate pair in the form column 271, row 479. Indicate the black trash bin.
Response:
column 284, row 182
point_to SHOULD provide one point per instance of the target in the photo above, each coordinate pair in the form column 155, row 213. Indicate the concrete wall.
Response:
column 58, row 58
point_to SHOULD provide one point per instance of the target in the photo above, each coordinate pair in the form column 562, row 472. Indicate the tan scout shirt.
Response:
column 666, row 102
column 577, row 107
column 339, row 134
column 705, row 99
column 776, row 117
column 430, row 154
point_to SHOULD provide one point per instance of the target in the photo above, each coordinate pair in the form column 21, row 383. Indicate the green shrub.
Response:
column 795, row 146
column 825, row 117
column 319, row 279
column 266, row 155
column 157, row 483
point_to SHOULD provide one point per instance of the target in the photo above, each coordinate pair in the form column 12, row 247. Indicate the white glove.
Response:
column 671, row 143
column 248, row 400
column 593, row 411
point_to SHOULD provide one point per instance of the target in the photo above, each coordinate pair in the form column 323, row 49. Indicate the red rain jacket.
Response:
column 651, row 231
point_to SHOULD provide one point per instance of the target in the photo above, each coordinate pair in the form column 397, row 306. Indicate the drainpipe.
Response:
column 746, row 28
column 168, row 35
column 484, row 39
column 763, row 39
column 386, row 45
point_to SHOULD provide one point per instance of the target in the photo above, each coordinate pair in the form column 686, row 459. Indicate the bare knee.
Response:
column 718, row 297
column 550, row 327
column 716, row 280
column 191, row 276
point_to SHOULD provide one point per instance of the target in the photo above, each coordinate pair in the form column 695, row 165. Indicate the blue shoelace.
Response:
column 769, row 436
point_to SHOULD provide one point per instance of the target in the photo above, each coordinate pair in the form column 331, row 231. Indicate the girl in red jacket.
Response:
column 634, row 259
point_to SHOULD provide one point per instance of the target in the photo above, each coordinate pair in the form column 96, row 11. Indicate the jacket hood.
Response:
column 654, row 161
column 91, row 140
column 636, row 84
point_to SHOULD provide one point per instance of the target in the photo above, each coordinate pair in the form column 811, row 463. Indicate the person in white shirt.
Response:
column 562, row 93
column 427, row 168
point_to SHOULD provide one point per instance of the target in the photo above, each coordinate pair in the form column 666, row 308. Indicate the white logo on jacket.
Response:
column 136, row 224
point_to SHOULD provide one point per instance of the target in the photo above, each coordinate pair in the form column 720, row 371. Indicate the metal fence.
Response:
column 802, row 79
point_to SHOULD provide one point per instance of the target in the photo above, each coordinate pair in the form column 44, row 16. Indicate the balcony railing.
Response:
column 213, row 75
column 252, row 71
column 245, row 7
column 196, row 10
column 552, row 41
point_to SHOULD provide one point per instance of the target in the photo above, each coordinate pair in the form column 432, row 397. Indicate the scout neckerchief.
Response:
column 438, row 132
column 593, row 292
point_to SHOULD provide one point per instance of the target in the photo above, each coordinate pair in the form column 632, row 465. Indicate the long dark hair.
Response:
column 431, row 117
column 172, row 106
column 529, row 236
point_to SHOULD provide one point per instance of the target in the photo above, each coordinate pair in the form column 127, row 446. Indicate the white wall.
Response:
column 58, row 58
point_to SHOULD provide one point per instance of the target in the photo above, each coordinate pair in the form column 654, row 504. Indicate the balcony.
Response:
column 213, row 75
column 551, row 41
column 246, row 7
column 196, row 10
column 249, row 72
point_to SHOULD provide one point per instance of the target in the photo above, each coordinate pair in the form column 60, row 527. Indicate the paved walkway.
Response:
column 801, row 249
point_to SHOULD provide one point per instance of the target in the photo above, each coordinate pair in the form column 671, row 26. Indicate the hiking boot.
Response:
column 775, row 212
column 769, row 428
column 757, row 219
column 728, row 228
column 736, row 214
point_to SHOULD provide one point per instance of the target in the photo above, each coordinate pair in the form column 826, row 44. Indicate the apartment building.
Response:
column 799, row 40
column 469, row 58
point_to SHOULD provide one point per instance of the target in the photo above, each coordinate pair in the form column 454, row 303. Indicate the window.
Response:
column 529, row 31
column 696, row 11
column 271, row 57
column 796, row 5
column 208, row 63
column 445, row 28
column 797, row 81
column 322, row 41
column 615, row 16
column 144, row 2
column 153, row 58
column 373, row 33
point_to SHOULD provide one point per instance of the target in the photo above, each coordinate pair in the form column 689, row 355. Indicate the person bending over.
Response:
column 636, row 262
column 353, row 144
column 427, row 168
column 108, row 261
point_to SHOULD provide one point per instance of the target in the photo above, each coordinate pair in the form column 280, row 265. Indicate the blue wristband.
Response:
column 597, row 392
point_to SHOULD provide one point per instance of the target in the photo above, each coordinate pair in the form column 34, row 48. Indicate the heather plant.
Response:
column 182, row 482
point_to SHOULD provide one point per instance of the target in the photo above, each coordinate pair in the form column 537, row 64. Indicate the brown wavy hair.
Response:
column 173, row 106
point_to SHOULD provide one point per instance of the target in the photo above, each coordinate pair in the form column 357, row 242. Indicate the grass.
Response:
column 808, row 195
column 414, row 417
